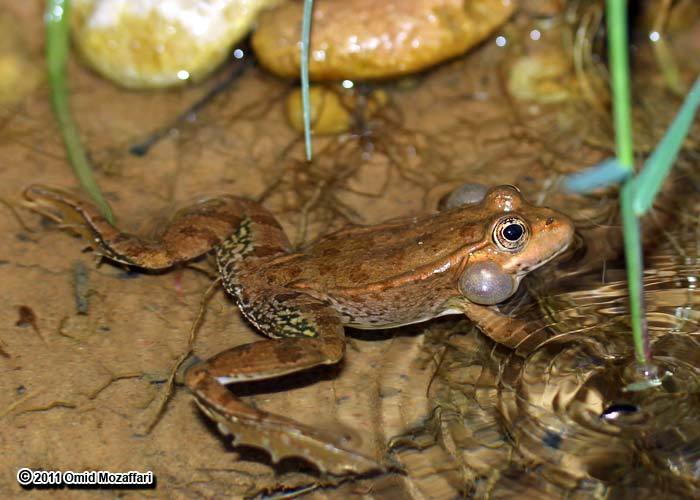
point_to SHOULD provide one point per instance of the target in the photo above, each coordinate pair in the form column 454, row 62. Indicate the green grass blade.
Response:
column 57, row 47
column 649, row 181
column 634, row 262
column 616, row 14
column 306, row 105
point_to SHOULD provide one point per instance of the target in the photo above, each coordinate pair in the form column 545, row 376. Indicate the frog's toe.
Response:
column 188, row 363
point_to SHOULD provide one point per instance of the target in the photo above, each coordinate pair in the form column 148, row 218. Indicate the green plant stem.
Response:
column 616, row 13
column 57, row 48
column 635, row 268
column 620, row 80
column 306, row 104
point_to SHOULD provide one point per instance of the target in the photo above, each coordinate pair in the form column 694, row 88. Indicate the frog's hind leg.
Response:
column 308, row 334
column 192, row 232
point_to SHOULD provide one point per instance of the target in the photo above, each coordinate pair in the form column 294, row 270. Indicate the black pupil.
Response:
column 513, row 232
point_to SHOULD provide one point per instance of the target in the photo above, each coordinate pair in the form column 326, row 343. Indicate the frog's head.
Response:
column 520, row 238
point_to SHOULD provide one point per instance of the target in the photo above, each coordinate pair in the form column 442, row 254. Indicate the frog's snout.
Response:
column 566, row 226
column 556, row 235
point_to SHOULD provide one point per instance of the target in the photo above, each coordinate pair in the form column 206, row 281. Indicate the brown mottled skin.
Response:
column 400, row 272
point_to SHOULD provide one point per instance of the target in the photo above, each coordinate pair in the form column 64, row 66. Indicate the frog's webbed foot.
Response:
column 279, row 436
column 192, row 232
column 314, row 337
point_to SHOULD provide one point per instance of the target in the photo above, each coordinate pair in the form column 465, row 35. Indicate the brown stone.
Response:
column 367, row 39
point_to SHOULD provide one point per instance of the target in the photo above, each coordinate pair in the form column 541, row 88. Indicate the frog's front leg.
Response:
column 308, row 334
column 505, row 329
column 190, row 233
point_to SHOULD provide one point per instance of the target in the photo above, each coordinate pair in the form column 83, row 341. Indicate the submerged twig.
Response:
column 142, row 148
column 662, row 51
column 80, row 287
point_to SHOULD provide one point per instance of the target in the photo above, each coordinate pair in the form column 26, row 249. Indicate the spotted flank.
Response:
column 237, row 246
column 270, row 314
column 278, row 320
column 230, row 254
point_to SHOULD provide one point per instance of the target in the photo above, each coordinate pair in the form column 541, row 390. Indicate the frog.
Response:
column 464, row 259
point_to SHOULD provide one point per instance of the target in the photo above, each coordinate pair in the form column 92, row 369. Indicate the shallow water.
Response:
column 563, row 414
column 464, row 416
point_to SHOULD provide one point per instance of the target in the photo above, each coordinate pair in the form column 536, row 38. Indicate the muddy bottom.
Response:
column 87, row 348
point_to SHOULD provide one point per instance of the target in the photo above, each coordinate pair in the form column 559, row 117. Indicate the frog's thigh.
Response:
column 305, row 333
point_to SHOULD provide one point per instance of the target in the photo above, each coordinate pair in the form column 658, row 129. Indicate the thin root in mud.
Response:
column 382, row 140
column 167, row 391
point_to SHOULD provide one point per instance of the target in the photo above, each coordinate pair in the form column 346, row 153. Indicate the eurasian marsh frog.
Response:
column 461, row 260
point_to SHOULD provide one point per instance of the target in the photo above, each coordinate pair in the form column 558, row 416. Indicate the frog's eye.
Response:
column 510, row 234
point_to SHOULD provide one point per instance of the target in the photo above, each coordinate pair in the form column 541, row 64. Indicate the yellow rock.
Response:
column 160, row 43
column 331, row 112
column 328, row 115
column 367, row 39
column 19, row 71
column 545, row 77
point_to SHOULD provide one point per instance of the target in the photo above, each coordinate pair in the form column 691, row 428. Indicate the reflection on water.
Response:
column 558, row 421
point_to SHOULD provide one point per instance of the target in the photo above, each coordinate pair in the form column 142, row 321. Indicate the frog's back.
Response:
column 363, row 255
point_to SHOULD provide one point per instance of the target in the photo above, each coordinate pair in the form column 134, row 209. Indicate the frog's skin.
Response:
column 462, row 260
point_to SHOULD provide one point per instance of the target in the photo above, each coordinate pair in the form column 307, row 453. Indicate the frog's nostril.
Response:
column 550, row 220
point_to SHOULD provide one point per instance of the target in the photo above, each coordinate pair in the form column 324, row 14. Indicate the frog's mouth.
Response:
column 522, row 272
